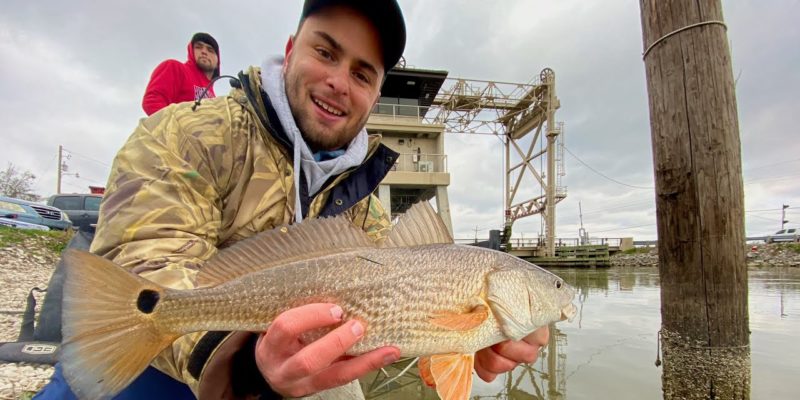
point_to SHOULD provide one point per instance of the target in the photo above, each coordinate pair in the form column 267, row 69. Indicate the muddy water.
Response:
column 609, row 351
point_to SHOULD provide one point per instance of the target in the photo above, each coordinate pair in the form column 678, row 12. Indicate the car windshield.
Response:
column 68, row 203
column 92, row 203
column 781, row 232
column 11, row 207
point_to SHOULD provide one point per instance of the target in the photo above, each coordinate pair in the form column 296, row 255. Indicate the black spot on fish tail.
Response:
column 367, row 259
column 147, row 301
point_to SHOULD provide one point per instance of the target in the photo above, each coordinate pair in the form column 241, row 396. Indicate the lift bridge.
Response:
column 418, row 106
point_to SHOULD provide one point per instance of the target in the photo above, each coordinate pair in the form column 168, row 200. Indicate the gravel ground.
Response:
column 22, row 267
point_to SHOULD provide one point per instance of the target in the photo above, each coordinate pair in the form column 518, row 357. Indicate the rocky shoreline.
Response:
column 30, row 262
column 23, row 266
column 758, row 256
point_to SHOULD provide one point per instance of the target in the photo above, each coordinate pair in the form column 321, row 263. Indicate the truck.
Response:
column 82, row 208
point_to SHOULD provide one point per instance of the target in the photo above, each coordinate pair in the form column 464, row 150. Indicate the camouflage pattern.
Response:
column 188, row 182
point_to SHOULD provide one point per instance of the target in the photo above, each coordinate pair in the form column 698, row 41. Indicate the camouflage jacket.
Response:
column 190, row 181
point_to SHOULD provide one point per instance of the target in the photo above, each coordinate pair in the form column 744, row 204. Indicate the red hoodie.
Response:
column 175, row 82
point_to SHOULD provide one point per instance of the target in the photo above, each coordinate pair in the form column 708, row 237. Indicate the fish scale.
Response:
column 396, row 308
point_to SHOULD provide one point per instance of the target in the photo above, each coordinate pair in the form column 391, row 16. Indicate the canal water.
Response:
column 609, row 350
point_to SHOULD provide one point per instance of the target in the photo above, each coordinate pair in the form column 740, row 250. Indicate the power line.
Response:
column 779, row 178
column 773, row 164
column 625, row 227
column 617, row 207
column 764, row 218
column 603, row 175
column 765, row 210
column 87, row 157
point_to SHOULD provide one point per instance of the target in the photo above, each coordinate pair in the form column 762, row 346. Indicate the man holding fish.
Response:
column 289, row 144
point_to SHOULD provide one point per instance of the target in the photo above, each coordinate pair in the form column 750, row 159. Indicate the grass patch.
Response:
column 55, row 241
column 795, row 247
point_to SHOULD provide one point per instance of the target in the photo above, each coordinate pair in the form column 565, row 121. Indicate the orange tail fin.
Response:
column 109, row 329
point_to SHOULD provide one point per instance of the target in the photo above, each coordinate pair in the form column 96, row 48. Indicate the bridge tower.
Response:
column 418, row 106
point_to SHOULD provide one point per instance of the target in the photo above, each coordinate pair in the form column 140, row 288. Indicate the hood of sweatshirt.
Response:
column 192, row 63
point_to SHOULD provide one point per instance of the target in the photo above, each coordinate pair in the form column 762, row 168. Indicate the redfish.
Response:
column 416, row 290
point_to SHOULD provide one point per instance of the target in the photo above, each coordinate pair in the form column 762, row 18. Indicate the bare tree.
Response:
column 18, row 184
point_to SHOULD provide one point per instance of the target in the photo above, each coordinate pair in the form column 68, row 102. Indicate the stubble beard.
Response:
column 206, row 68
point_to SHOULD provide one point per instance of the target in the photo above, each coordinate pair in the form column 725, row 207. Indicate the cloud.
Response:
column 74, row 73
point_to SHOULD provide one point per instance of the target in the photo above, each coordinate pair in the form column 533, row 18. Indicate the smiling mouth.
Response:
column 327, row 107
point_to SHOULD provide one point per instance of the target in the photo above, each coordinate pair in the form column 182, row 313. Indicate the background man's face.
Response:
column 333, row 71
column 205, row 57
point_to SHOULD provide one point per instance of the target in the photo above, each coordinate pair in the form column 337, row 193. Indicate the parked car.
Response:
column 17, row 215
column 52, row 217
column 785, row 235
column 13, row 223
column 82, row 209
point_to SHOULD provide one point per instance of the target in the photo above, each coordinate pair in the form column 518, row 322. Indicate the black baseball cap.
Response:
column 207, row 39
column 385, row 15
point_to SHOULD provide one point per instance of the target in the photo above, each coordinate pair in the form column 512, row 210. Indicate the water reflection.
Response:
column 609, row 350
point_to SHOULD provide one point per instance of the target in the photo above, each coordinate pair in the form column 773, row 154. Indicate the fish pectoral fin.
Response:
column 461, row 321
column 450, row 374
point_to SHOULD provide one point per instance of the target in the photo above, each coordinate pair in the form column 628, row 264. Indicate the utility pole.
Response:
column 583, row 237
column 58, row 178
column 784, row 221
column 699, row 200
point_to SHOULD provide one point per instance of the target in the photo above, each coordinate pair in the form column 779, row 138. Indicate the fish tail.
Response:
column 109, row 323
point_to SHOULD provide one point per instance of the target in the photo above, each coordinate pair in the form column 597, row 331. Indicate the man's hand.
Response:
column 295, row 369
column 505, row 356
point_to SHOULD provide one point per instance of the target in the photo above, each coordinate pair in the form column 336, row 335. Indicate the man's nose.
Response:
column 338, row 79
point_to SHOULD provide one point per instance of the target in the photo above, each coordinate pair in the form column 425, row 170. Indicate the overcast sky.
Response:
column 73, row 73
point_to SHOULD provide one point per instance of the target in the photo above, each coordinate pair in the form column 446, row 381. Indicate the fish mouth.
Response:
column 568, row 312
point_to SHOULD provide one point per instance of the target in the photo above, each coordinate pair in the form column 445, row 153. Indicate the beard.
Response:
column 206, row 66
column 316, row 135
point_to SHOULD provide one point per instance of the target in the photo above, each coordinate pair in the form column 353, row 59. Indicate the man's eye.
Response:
column 361, row 77
column 324, row 53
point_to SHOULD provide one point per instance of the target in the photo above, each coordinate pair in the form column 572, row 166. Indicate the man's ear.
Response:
column 288, row 51
column 377, row 98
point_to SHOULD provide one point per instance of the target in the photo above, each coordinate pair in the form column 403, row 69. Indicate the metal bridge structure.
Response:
column 523, row 116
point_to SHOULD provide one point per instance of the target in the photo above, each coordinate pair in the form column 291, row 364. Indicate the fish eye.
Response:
column 558, row 284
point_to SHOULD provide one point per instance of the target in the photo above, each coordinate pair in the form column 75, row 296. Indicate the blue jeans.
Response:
column 152, row 384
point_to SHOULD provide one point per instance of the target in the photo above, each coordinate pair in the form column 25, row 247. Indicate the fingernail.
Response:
column 336, row 312
column 390, row 358
column 356, row 328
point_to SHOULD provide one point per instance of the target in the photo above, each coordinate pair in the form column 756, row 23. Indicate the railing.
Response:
column 560, row 242
column 417, row 162
column 536, row 242
column 398, row 112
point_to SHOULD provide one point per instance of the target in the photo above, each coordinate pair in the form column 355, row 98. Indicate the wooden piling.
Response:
column 699, row 196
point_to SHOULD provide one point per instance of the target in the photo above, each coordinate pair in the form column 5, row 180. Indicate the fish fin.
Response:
column 424, row 367
column 461, row 321
column 450, row 374
column 420, row 225
column 109, row 330
column 283, row 245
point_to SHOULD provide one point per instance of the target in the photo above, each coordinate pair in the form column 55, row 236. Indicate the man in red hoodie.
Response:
column 175, row 82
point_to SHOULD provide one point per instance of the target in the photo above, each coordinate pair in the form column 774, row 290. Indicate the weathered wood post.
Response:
column 699, row 200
